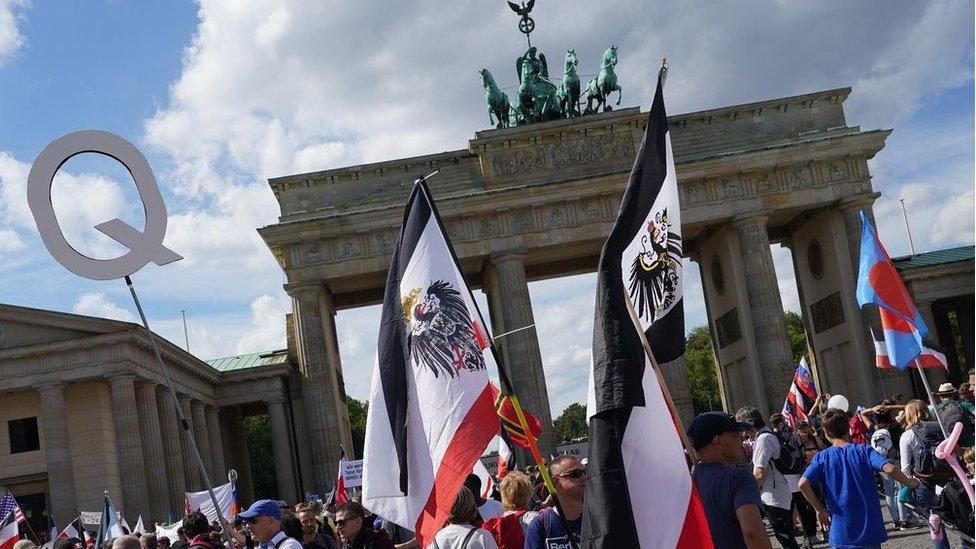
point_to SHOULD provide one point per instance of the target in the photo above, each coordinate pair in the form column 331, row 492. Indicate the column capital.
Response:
column 48, row 386
column 756, row 218
column 858, row 201
column 121, row 377
column 506, row 256
column 275, row 400
column 297, row 290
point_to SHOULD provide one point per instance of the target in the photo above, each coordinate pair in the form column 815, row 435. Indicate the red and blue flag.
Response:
column 878, row 284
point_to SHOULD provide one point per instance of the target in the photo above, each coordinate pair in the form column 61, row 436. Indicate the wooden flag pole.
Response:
column 935, row 409
column 692, row 453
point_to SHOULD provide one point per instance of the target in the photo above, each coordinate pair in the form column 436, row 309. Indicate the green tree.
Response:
column 571, row 423
column 357, row 423
column 700, row 369
column 797, row 335
column 257, row 431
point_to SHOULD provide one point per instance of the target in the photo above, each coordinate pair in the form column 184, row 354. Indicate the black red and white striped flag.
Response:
column 639, row 492
column 930, row 357
column 9, row 531
column 339, row 495
column 430, row 408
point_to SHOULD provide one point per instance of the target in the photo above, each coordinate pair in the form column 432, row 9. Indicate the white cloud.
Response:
column 267, row 325
column 10, row 37
column 96, row 304
column 10, row 241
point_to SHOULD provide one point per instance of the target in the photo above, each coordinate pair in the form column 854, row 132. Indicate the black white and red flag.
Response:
column 339, row 495
column 76, row 530
column 639, row 492
column 431, row 413
column 930, row 357
column 9, row 531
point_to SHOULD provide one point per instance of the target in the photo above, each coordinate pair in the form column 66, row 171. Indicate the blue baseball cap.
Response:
column 261, row 508
column 707, row 426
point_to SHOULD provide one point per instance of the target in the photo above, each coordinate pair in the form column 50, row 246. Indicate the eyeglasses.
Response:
column 342, row 522
column 573, row 473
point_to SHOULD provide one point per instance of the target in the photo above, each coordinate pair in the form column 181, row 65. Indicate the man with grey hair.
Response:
column 148, row 541
column 126, row 542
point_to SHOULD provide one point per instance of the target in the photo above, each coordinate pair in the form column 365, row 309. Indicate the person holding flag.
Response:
column 639, row 492
column 802, row 391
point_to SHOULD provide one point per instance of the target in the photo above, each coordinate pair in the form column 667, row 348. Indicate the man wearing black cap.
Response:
column 729, row 494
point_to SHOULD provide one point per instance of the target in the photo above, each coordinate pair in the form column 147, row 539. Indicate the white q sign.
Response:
column 143, row 246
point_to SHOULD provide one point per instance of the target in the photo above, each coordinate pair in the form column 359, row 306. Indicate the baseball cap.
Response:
column 707, row 426
column 261, row 508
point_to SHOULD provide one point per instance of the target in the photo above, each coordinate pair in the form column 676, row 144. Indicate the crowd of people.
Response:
column 819, row 478
column 823, row 478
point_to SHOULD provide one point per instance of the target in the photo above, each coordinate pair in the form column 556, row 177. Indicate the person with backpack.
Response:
column 845, row 472
column 918, row 461
column 883, row 441
column 792, row 463
column 509, row 529
column 952, row 411
column 777, row 500
column 459, row 531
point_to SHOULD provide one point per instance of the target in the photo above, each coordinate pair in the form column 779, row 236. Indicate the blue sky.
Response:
column 223, row 94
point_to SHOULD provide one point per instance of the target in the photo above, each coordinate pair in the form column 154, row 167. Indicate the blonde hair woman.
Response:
column 918, row 422
column 509, row 529
column 458, row 532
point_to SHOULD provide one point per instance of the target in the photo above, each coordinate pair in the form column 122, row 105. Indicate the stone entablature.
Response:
column 579, row 147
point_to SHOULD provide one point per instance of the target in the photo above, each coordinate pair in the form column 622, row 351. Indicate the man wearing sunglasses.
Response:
column 355, row 533
column 548, row 530
column 264, row 518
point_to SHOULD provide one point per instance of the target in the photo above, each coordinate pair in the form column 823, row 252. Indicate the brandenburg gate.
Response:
column 537, row 201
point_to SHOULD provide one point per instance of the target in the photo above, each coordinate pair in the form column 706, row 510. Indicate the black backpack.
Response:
column 952, row 412
column 929, row 468
column 792, row 457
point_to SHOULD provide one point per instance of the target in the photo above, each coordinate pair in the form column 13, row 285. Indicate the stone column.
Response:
column 129, row 445
column 57, row 451
column 152, row 446
column 219, row 469
column 511, row 308
column 173, row 443
column 202, row 435
column 194, row 482
column 281, row 449
column 327, row 421
column 675, row 376
column 239, row 457
column 765, row 307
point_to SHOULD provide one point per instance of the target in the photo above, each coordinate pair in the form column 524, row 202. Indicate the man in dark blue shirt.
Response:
column 846, row 473
column 730, row 495
column 548, row 531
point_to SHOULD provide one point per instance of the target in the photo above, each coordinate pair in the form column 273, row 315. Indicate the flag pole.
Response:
column 928, row 389
column 184, row 424
column 692, row 453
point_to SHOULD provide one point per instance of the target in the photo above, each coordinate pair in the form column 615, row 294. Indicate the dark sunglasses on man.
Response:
column 573, row 474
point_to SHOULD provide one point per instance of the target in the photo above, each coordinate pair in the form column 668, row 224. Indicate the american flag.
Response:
column 9, row 505
column 802, row 392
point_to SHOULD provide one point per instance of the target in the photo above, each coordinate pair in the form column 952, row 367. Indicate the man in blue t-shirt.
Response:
column 547, row 530
column 729, row 494
column 846, row 473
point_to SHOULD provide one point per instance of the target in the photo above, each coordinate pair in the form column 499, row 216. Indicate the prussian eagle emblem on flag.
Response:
column 442, row 335
column 655, row 271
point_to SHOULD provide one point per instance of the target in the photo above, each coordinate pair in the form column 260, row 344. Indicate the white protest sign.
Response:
column 352, row 472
